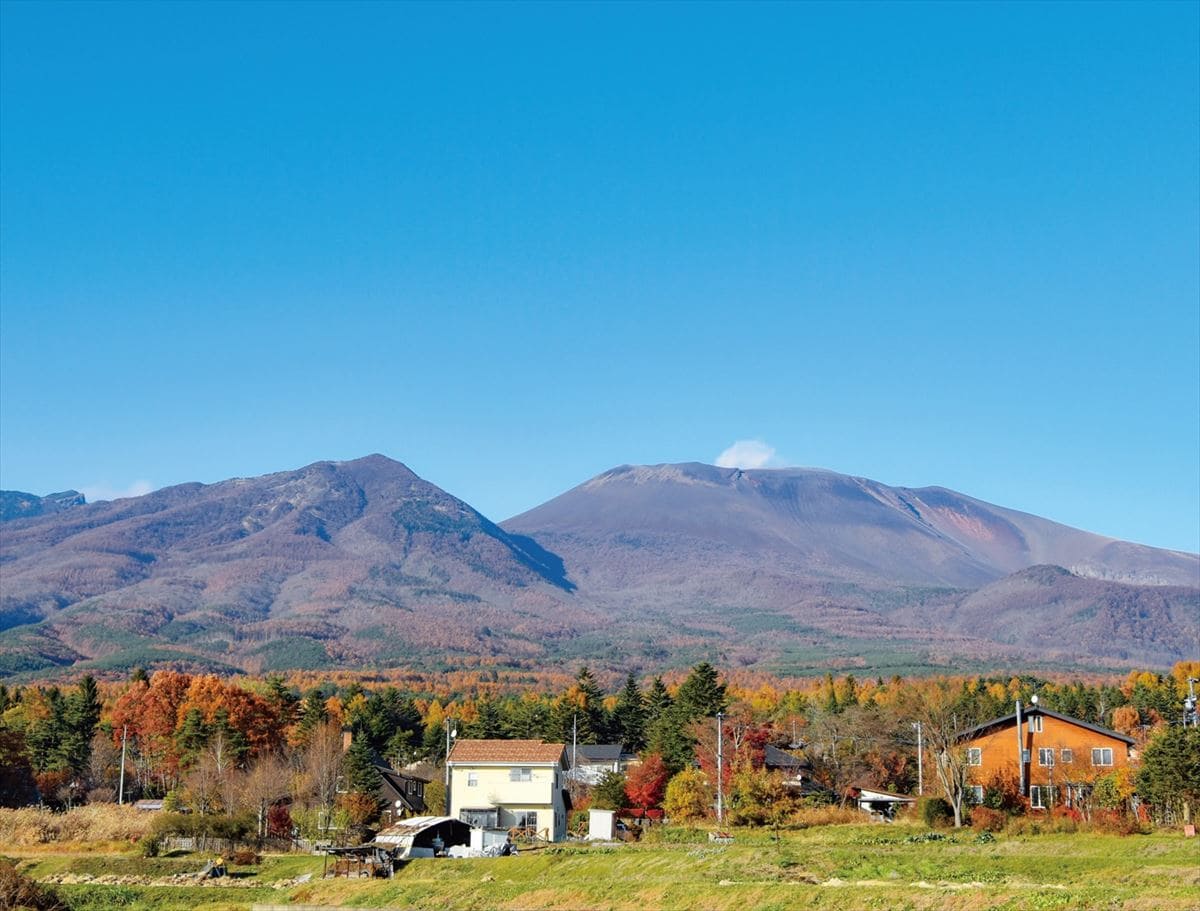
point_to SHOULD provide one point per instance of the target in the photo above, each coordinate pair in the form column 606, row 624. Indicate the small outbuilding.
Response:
column 880, row 805
column 423, row 836
column 602, row 825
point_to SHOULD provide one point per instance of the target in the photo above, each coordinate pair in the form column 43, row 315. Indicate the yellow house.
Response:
column 510, row 784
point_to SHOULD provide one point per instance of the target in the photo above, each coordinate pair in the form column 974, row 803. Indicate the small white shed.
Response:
column 602, row 825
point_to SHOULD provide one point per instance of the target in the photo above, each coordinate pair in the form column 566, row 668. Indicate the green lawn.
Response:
column 834, row 867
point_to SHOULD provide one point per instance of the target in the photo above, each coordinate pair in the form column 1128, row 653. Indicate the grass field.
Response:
column 832, row 867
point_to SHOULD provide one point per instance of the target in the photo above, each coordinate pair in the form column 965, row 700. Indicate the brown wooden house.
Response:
column 1060, row 757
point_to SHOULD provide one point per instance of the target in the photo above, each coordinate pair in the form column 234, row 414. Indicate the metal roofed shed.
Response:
column 423, row 836
column 880, row 805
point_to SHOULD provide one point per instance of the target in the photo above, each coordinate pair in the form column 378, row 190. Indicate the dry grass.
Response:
column 31, row 827
column 825, row 816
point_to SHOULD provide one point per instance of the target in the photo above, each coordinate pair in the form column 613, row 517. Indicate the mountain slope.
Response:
column 363, row 563
column 336, row 562
column 823, row 524
column 818, row 554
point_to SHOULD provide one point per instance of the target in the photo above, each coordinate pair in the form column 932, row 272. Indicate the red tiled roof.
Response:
column 506, row 751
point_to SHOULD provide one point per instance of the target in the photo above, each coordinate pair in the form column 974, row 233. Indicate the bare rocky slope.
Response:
column 362, row 563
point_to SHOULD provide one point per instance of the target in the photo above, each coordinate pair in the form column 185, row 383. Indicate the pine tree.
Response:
column 233, row 741
column 701, row 695
column 81, row 714
column 362, row 776
column 45, row 733
column 488, row 724
column 658, row 701
column 191, row 738
column 282, row 699
column 629, row 716
column 312, row 714
column 528, row 719
column 831, row 700
column 593, row 718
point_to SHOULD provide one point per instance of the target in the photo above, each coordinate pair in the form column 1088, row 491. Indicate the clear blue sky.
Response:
column 513, row 246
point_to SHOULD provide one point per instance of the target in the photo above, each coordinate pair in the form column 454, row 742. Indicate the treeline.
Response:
column 203, row 742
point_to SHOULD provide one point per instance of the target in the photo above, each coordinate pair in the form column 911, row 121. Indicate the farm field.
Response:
column 832, row 867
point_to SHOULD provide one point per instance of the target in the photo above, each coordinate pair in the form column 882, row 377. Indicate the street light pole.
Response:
column 1020, row 752
column 450, row 735
column 720, row 770
column 920, row 760
column 121, row 791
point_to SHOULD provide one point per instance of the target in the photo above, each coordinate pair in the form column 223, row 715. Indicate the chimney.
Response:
column 347, row 737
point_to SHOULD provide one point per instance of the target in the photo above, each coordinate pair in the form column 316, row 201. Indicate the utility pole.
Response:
column 1020, row 752
column 450, row 735
column 920, row 760
column 720, row 770
column 121, row 788
column 1190, row 715
column 574, row 741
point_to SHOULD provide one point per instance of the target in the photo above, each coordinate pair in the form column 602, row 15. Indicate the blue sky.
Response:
column 513, row 246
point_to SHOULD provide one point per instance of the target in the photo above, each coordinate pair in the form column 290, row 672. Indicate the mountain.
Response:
column 841, row 556
column 364, row 564
column 17, row 505
column 819, row 523
column 336, row 563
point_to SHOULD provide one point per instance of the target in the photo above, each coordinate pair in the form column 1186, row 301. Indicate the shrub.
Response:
column 609, row 793
column 19, row 891
column 1003, row 792
column 246, row 857
column 1114, row 822
column 985, row 819
column 935, row 812
column 689, row 797
column 279, row 822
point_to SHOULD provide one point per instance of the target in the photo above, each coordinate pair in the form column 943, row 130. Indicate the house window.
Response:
column 472, row 779
column 521, row 774
column 974, row 756
column 1035, row 798
column 525, row 819
column 976, row 794
column 1045, row 756
column 1035, row 724
column 1067, row 756
column 1102, row 756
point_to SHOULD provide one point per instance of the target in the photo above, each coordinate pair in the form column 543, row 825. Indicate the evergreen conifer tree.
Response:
column 629, row 716
column 701, row 695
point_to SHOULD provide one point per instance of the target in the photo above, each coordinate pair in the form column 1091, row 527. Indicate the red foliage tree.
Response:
column 645, row 784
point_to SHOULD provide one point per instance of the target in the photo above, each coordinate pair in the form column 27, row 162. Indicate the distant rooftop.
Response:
column 531, row 751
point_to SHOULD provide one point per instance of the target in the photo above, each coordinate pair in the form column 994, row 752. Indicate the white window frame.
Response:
column 975, row 756
column 1102, row 751
column 1066, row 755
column 472, row 779
column 1046, row 756
column 1035, row 724
column 976, row 791
column 520, row 773
column 1036, row 801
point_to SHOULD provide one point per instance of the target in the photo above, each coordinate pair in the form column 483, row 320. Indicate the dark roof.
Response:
column 601, row 752
column 1005, row 720
column 393, row 788
column 775, row 758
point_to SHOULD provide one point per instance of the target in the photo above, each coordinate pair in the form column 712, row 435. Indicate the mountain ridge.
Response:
column 364, row 563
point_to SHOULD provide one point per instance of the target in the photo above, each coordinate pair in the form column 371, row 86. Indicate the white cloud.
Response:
column 748, row 454
column 97, row 492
